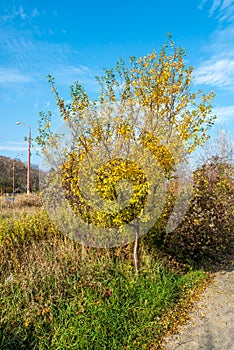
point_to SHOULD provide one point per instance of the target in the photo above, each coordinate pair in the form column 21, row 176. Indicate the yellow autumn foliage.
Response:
column 146, row 105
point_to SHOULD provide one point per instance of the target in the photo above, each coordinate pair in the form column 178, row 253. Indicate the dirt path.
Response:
column 211, row 324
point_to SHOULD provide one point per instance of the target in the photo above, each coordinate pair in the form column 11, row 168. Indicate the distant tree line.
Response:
column 20, row 176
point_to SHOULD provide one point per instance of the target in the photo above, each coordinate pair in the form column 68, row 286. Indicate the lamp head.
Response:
column 18, row 123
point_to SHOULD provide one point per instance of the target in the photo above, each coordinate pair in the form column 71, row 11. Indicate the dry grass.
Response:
column 54, row 297
column 21, row 203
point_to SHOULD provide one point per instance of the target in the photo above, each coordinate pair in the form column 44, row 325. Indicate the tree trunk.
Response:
column 135, row 256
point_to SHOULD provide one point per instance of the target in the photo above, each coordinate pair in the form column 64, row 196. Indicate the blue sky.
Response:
column 73, row 40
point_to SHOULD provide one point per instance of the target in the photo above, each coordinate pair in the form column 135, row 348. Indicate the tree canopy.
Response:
column 127, row 144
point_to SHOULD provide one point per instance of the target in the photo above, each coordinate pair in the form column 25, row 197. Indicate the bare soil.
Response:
column 211, row 322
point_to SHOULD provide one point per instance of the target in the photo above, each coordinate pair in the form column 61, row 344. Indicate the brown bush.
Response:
column 207, row 230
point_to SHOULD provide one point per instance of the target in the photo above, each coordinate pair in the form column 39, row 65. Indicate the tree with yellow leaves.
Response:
column 124, row 147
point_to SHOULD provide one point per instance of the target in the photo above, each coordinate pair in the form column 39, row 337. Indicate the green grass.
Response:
column 52, row 296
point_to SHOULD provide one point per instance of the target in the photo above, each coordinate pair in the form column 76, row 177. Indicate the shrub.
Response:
column 16, row 234
column 207, row 230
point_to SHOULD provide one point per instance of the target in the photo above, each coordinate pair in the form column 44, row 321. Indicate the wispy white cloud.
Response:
column 8, row 76
column 224, row 113
column 201, row 5
column 222, row 10
column 24, row 52
column 18, row 12
column 69, row 74
column 36, row 57
column 13, row 146
column 217, row 72
column 13, row 13
column 221, row 42
column 226, row 11
column 215, row 6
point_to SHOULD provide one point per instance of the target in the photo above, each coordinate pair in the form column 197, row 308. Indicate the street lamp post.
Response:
column 29, row 154
column 13, row 173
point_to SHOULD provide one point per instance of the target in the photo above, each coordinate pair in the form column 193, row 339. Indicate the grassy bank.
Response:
column 14, row 206
column 54, row 294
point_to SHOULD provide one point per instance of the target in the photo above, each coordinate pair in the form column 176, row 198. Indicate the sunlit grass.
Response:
column 52, row 296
